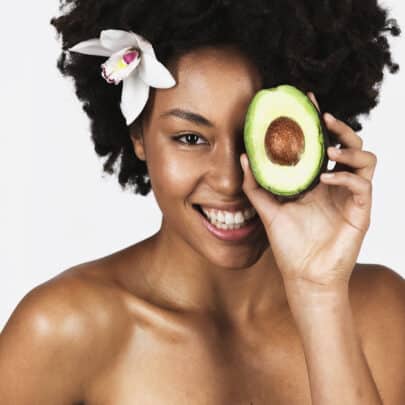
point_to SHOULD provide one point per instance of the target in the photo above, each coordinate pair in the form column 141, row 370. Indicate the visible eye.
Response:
column 191, row 139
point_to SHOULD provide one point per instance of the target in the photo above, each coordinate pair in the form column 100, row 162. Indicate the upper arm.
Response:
column 39, row 349
column 384, row 337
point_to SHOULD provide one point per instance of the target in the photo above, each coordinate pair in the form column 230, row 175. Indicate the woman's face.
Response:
column 202, row 165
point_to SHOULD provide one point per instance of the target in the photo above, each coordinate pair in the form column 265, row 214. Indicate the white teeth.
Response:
column 229, row 218
column 239, row 218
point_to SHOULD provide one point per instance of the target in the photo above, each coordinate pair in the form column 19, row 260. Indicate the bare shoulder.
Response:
column 377, row 295
column 58, row 335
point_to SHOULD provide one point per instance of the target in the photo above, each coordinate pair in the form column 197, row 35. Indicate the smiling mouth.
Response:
column 199, row 209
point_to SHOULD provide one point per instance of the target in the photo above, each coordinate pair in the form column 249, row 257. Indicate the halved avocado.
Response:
column 286, row 141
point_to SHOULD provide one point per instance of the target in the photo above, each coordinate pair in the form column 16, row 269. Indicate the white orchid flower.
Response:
column 132, row 60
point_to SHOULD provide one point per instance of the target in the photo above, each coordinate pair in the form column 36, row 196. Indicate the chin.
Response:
column 229, row 261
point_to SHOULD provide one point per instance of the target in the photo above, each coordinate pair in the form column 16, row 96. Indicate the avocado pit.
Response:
column 284, row 141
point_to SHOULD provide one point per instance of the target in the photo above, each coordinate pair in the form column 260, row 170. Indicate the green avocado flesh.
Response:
column 285, row 141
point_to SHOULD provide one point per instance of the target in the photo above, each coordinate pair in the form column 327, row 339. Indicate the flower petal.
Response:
column 154, row 73
column 91, row 47
column 144, row 45
column 135, row 93
column 118, row 39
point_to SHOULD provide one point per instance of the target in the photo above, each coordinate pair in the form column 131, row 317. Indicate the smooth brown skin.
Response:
column 182, row 317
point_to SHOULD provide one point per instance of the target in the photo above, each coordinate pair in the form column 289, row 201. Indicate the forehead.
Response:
column 210, row 80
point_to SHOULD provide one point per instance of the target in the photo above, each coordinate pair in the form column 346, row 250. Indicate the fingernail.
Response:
column 328, row 175
column 329, row 117
column 334, row 151
column 243, row 162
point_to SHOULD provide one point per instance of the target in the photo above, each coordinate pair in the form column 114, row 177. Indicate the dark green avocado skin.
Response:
column 329, row 140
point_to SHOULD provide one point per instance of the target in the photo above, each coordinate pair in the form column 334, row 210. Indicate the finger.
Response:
column 263, row 201
column 344, row 133
column 357, row 209
column 363, row 161
column 314, row 100
column 338, row 167
column 361, row 188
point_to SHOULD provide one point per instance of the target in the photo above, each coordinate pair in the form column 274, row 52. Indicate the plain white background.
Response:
column 58, row 210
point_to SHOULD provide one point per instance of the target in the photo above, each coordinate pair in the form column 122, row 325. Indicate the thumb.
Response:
column 263, row 201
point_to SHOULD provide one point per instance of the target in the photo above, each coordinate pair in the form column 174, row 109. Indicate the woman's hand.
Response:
column 317, row 238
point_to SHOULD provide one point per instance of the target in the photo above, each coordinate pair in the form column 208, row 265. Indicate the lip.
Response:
column 232, row 235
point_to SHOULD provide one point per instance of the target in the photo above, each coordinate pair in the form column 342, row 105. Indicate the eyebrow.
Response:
column 189, row 116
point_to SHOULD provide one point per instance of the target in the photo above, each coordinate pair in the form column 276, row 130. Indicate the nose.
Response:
column 225, row 173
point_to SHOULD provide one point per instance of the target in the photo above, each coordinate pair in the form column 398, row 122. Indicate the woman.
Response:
column 279, row 312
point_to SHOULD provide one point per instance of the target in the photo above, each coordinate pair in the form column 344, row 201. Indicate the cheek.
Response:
column 174, row 174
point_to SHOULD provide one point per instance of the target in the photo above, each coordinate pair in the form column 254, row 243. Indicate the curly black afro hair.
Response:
column 337, row 49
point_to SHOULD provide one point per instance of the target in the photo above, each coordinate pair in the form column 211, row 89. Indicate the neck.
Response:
column 190, row 282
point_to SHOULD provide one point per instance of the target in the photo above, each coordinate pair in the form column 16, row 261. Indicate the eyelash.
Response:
column 177, row 138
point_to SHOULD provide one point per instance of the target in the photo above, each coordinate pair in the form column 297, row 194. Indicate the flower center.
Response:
column 130, row 56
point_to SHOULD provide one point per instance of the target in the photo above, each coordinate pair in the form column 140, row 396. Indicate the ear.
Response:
column 137, row 141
